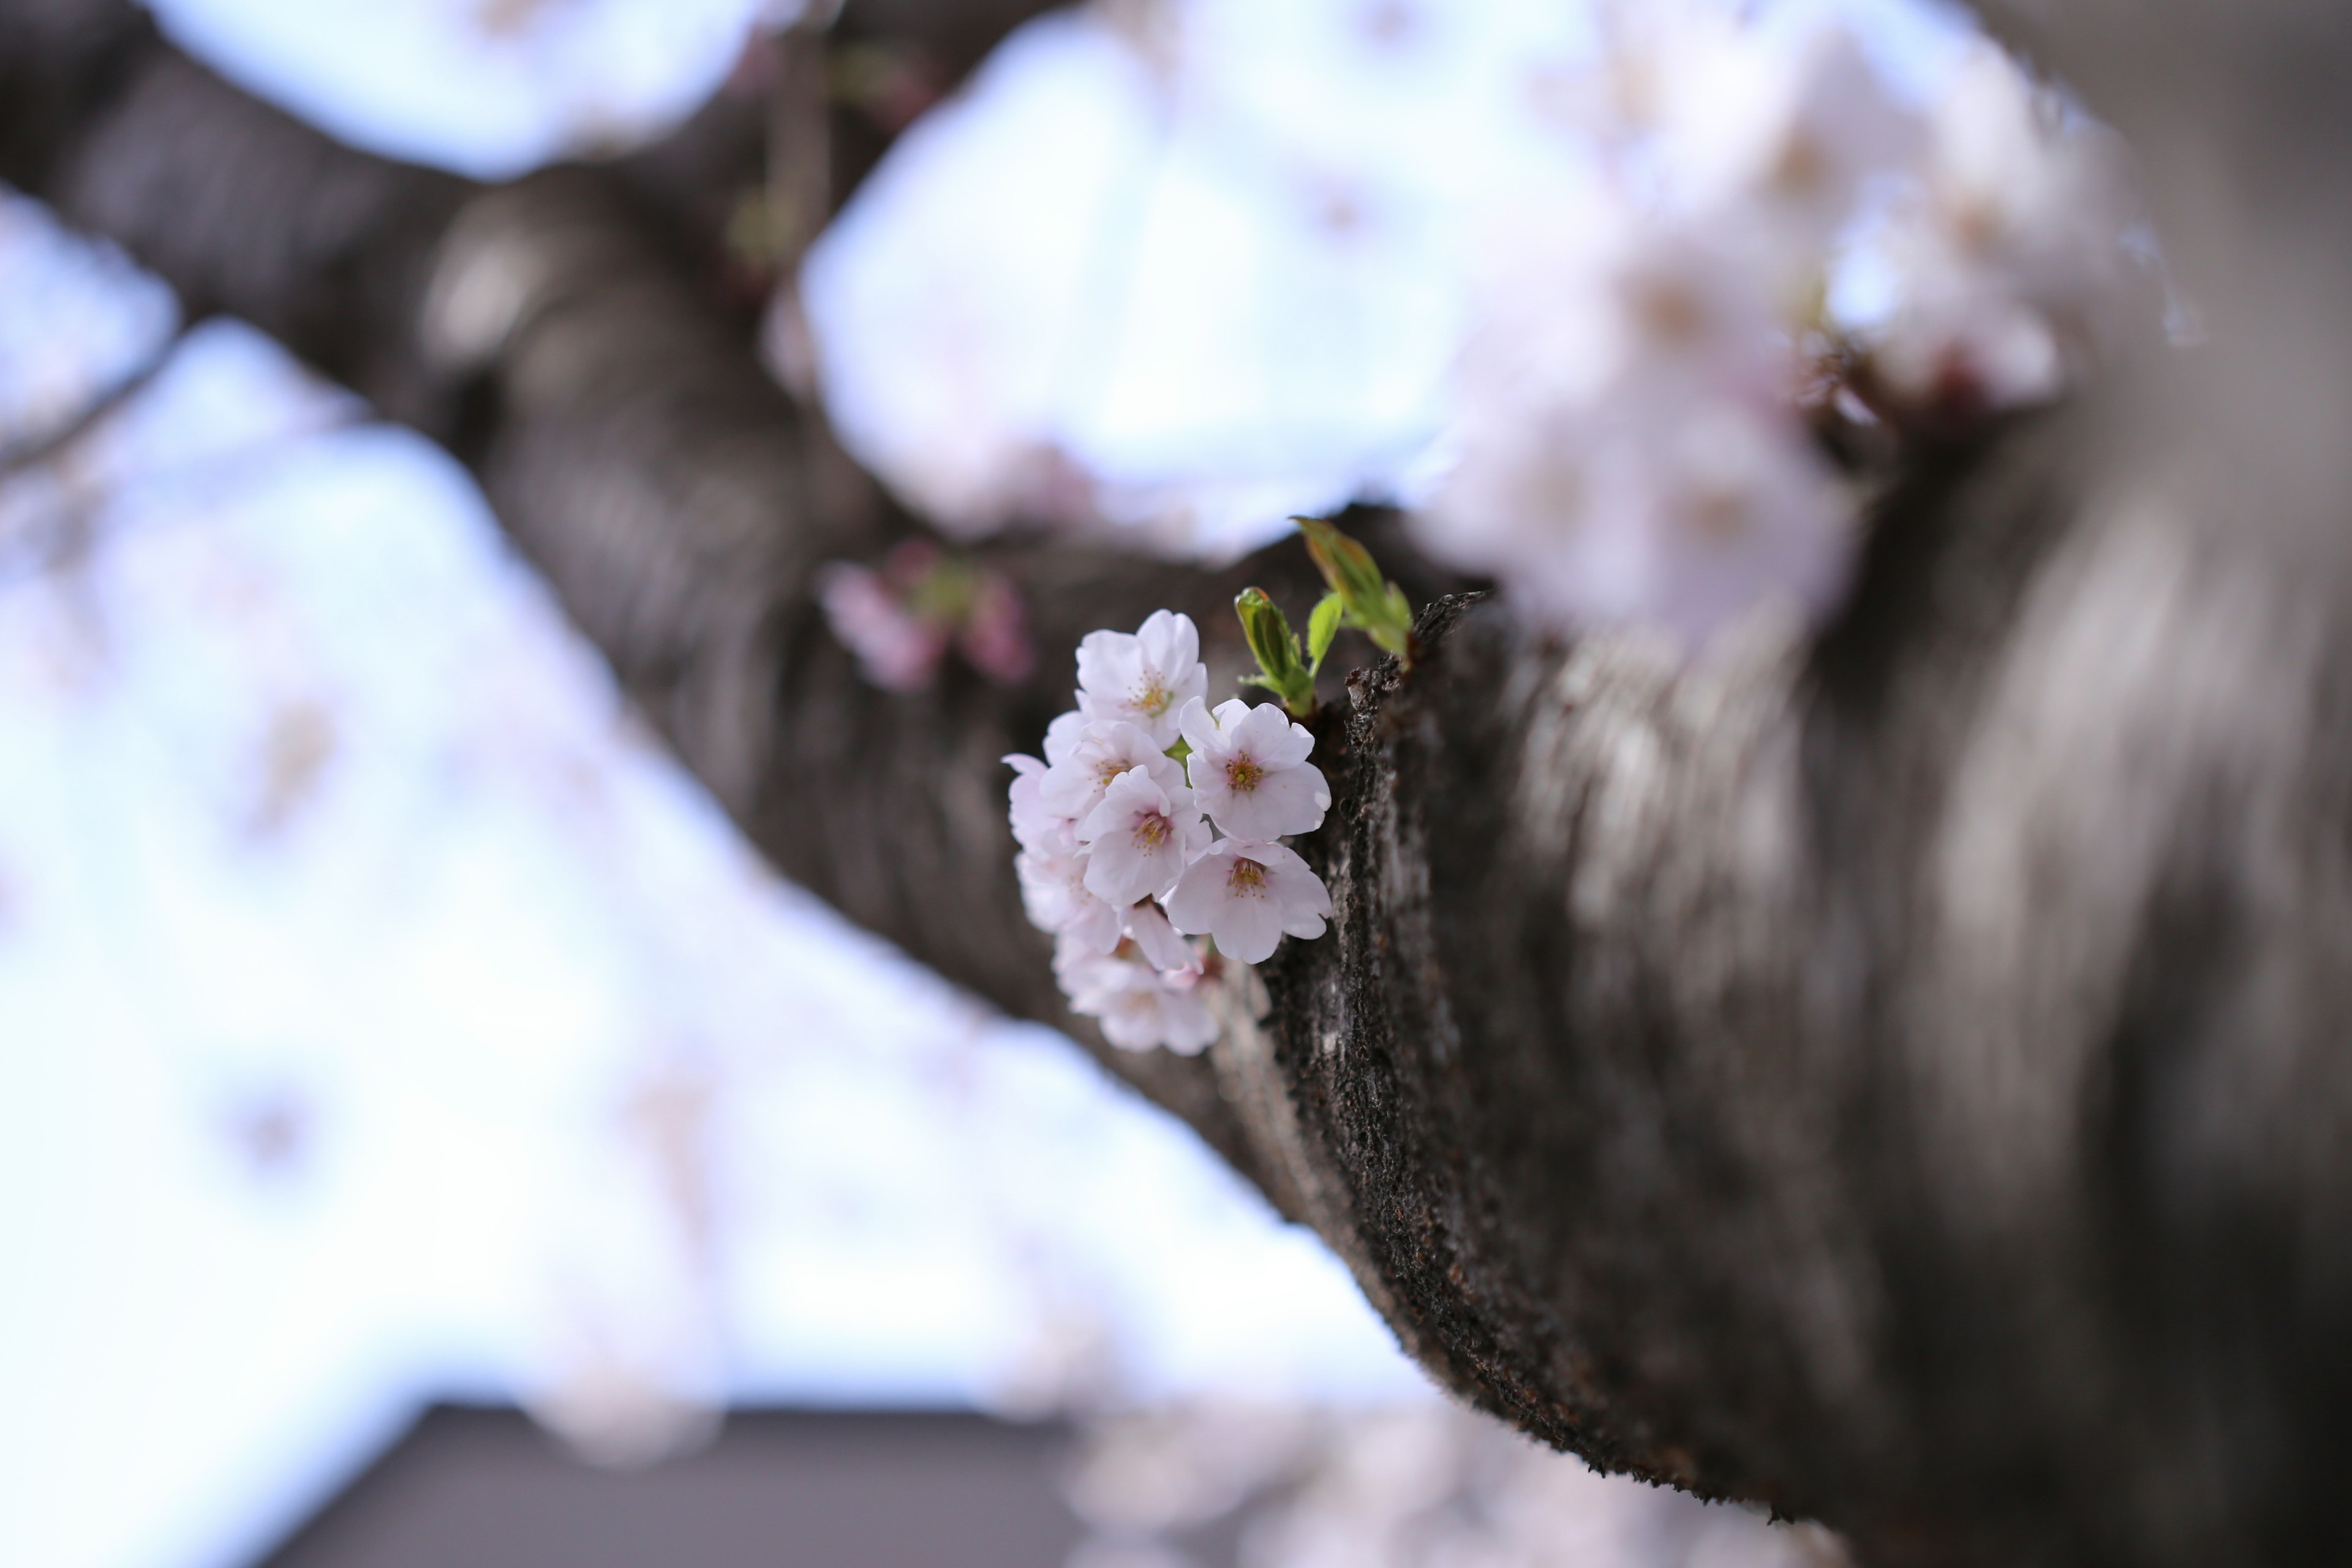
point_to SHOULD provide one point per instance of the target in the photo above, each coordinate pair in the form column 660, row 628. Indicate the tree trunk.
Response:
column 1894, row 1074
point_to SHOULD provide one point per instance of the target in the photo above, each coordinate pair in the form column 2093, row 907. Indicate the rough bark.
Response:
column 1895, row 1073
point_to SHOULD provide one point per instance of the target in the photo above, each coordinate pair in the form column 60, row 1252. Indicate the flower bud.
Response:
column 1280, row 669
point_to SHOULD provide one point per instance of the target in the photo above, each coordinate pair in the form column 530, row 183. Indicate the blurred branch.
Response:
column 1898, row 1076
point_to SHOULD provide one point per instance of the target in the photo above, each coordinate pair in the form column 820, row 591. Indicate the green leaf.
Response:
column 1368, row 600
column 1346, row 565
column 1321, row 628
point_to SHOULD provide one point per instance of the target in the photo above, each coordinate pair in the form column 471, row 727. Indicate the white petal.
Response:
column 1198, row 728
column 1117, row 872
column 1247, row 924
column 1290, row 800
column 1249, row 928
column 1169, row 641
column 1147, row 924
column 1132, row 791
column 1193, row 905
column 1185, row 1025
column 1062, row 734
column 1267, row 734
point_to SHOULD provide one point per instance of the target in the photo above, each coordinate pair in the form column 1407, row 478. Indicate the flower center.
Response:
column 1803, row 166
column 1719, row 513
column 1151, row 830
column 1241, row 773
column 1669, row 309
column 1151, row 696
column 1246, row 878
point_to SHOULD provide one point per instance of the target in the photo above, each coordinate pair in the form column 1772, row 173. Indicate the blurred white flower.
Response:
column 1140, row 838
column 1249, row 895
column 2011, row 271
column 1774, row 138
column 1145, row 923
column 1037, row 827
column 895, row 649
column 1054, row 890
column 1680, row 524
column 901, row 621
column 1639, row 435
column 1629, row 447
column 1138, row 1006
column 1145, row 679
column 1249, row 769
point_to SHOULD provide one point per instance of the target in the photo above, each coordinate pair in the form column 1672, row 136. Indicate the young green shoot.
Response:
column 1359, row 596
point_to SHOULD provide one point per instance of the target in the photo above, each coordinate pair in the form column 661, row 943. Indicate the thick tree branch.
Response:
column 1897, row 1075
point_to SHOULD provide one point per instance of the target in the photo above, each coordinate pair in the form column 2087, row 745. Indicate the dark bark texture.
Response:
column 1896, row 1074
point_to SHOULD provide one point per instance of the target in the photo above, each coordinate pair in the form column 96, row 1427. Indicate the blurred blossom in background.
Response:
column 384, row 1016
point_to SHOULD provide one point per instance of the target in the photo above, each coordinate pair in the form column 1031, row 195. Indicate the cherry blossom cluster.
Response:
column 1782, row 264
column 1154, row 819
column 901, row 620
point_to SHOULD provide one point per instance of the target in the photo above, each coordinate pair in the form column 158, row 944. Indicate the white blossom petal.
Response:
column 1036, row 826
column 1145, row 679
column 1099, row 753
column 1139, row 1007
column 1247, row 895
column 1249, row 770
column 1054, row 890
column 1062, row 735
column 2011, row 269
column 1145, row 923
column 1140, row 838
column 895, row 650
column 1778, row 134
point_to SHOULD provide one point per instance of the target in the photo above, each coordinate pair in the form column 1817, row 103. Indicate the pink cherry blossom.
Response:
column 1054, row 890
column 1145, row 924
column 1248, row 895
column 994, row 637
column 1075, row 785
column 1062, row 736
column 1035, row 825
column 1249, row 770
column 1140, row 838
column 1780, row 131
column 1146, row 678
column 895, row 650
column 2011, row 266
column 1138, row 1006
